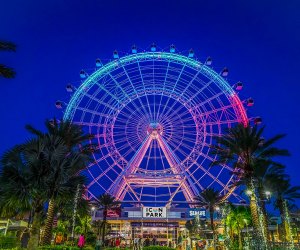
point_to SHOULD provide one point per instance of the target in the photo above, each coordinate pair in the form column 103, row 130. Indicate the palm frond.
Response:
column 7, row 72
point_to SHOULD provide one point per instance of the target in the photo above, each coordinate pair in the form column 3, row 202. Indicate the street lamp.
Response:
column 93, row 212
column 268, row 194
column 249, row 192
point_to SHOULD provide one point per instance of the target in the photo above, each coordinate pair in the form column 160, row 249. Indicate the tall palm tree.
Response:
column 284, row 194
column 265, row 173
column 209, row 198
column 243, row 147
column 22, row 178
column 5, row 71
column 68, row 147
column 106, row 202
column 63, row 179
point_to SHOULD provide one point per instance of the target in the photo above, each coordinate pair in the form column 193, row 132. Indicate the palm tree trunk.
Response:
column 211, row 215
column 282, row 215
column 240, row 239
column 264, row 212
column 98, row 228
column 258, row 233
column 287, row 225
column 47, row 235
column 254, row 213
column 35, row 231
column 104, row 223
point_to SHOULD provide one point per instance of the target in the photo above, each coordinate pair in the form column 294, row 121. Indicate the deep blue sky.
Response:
column 257, row 40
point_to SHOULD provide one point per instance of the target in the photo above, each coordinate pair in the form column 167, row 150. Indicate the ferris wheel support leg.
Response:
column 120, row 184
column 187, row 186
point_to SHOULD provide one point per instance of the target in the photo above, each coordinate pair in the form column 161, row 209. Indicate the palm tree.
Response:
column 106, row 202
column 238, row 218
column 244, row 147
column 72, row 134
column 265, row 173
column 284, row 194
column 210, row 199
column 22, row 181
column 69, row 151
column 63, row 179
column 85, row 224
column 5, row 71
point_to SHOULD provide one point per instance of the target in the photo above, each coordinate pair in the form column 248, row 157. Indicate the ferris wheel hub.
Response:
column 154, row 129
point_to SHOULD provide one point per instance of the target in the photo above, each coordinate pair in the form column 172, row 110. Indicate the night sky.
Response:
column 257, row 40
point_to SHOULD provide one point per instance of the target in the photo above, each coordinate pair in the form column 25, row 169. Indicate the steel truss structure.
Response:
column 154, row 115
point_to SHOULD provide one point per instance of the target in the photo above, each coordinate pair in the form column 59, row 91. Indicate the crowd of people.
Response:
column 138, row 242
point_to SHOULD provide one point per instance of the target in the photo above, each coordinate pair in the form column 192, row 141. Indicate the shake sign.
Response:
column 154, row 212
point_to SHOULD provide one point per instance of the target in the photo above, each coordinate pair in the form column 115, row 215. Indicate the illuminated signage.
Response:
column 154, row 212
column 196, row 212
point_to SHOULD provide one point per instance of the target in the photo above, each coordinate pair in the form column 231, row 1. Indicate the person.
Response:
column 25, row 238
column 147, row 242
column 118, row 243
column 140, row 244
column 58, row 239
column 136, row 243
column 81, row 241
column 154, row 241
column 179, row 242
column 188, row 243
column 98, row 243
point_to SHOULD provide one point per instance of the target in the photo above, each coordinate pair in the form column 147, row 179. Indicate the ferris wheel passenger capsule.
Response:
column 257, row 120
column 98, row 62
column 116, row 54
column 208, row 61
column 153, row 47
column 191, row 53
column 58, row 104
column 70, row 88
column 134, row 49
column 83, row 74
column 225, row 72
column 172, row 48
column 239, row 86
column 250, row 102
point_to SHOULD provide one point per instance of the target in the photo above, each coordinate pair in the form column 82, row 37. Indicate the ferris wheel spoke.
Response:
column 177, row 144
column 207, row 100
column 99, row 101
column 191, row 82
column 135, row 92
column 217, row 110
column 86, row 110
column 161, row 97
column 173, row 88
column 124, row 93
column 104, row 173
column 211, row 159
column 144, row 88
column 211, row 176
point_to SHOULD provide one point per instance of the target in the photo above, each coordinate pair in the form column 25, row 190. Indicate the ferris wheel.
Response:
column 154, row 115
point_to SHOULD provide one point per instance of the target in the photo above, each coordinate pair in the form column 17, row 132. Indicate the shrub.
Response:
column 157, row 248
column 8, row 242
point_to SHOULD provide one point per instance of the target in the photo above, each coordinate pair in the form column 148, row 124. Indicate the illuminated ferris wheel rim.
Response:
column 172, row 93
column 205, row 70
